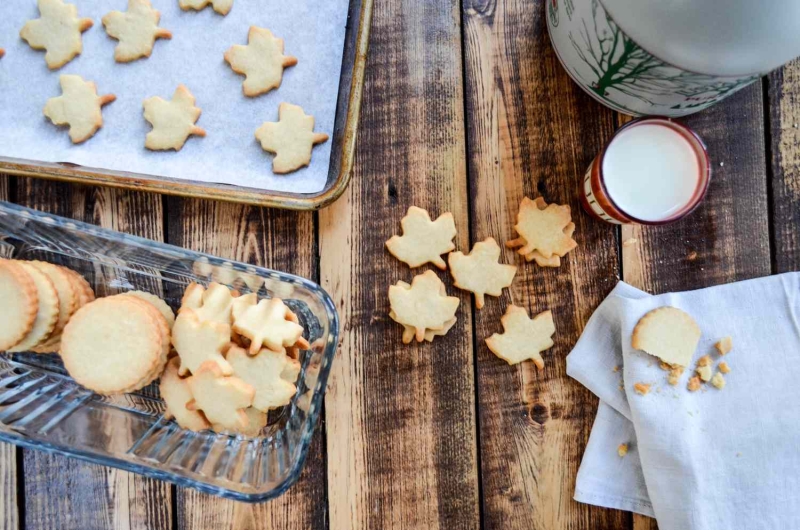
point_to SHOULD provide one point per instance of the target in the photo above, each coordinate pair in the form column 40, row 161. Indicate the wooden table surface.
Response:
column 467, row 110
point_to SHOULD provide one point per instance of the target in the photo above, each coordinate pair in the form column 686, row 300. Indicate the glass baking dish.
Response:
column 42, row 408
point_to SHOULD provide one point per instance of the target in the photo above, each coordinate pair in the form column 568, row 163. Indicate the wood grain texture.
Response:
column 523, row 142
column 275, row 239
column 401, row 418
column 727, row 238
column 784, row 120
column 61, row 492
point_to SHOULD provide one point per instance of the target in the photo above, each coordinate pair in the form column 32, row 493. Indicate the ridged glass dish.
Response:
column 42, row 408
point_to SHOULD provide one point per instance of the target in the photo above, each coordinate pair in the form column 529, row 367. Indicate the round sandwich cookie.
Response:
column 47, row 315
column 20, row 303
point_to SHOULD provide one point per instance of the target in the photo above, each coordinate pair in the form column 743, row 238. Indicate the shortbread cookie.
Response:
column 163, row 327
column 667, row 333
column 49, row 308
column 197, row 342
column 256, row 420
column 718, row 381
column 423, row 241
column 543, row 228
column 264, row 372
column 723, row 367
column 241, row 303
column 212, row 304
column 266, row 324
column 78, row 106
column 220, row 6
column 58, row 31
column 85, row 291
column 222, row 399
column 176, row 394
column 67, row 301
column 158, row 303
column 291, row 138
column 20, row 303
column 523, row 338
column 694, row 384
column 724, row 345
column 480, row 272
column 422, row 304
column 552, row 261
column 112, row 345
column 409, row 331
column 173, row 121
column 261, row 62
column 136, row 30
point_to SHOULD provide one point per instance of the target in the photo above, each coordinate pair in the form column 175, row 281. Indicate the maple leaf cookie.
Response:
column 213, row 304
column 291, row 138
column 423, row 241
column 173, row 121
column 480, row 271
column 222, row 399
column 261, row 62
column 220, row 6
column 545, row 231
column 136, row 30
column 197, row 342
column 422, row 304
column 176, row 394
column 58, row 31
column 78, row 106
column 264, row 372
column 524, row 338
column 268, row 324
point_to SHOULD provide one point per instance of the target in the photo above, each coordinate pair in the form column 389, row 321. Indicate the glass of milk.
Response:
column 653, row 171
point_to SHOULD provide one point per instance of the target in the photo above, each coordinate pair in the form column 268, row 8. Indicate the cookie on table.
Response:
column 79, row 107
column 291, row 138
column 173, row 121
column 220, row 6
column 523, row 338
column 48, row 311
column 113, row 345
column 136, row 30
column 20, row 303
column 261, row 62
column 545, row 232
column 58, row 31
column 423, row 241
column 422, row 305
column 480, row 272
column 176, row 394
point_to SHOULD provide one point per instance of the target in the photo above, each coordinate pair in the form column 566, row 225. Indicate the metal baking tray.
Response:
column 348, row 108
column 42, row 408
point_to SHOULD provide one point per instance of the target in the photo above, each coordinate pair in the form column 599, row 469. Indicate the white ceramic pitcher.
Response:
column 671, row 57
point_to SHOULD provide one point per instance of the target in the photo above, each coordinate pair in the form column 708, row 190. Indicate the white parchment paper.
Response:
column 313, row 31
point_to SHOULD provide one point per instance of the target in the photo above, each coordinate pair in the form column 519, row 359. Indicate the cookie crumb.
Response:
column 724, row 368
column 615, row 369
column 629, row 242
column 622, row 450
column 705, row 360
column 692, row 256
column 718, row 381
column 675, row 375
column 724, row 345
column 642, row 388
column 704, row 372
column 665, row 366
column 694, row 384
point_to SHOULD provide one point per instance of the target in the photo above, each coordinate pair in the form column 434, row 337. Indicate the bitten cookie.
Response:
column 261, row 62
column 79, row 106
column 20, row 303
column 112, row 345
column 58, row 31
column 423, row 241
column 220, row 6
column 46, row 317
column 173, row 121
column 136, row 30
column 291, row 138
column 667, row 333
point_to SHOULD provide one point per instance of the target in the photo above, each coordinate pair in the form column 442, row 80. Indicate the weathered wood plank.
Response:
column 727, row 238
column 784, row 119
column 401, row 418
column 62, row 492
column 533, row 426
column 280, row 240
column 9, row 508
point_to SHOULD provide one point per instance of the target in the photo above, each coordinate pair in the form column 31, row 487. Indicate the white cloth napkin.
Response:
column 706, row 460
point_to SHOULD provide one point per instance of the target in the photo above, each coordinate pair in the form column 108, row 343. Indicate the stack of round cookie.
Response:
column 39, row 299
column 119, row 343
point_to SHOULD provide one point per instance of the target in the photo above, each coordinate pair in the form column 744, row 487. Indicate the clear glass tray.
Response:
column 42, row 408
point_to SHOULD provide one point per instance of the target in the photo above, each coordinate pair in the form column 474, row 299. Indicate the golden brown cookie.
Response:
column 158, row 303
column 176, row 394
column 423, row 241
column 79, row 107
column 291, row 138
column 68, row 299
column 46, row 317
column 264, row 372
column 173, row 121
column 136, row 30
column 261, row 62
column 221, row 398
column 20, row 303
column 523, row 338
column 667, row 333
column 422, row 304
column 198, row 342
column 220, row 6
column 58, row 31
column 546, row 229
column 480, row 272
column 267, row 324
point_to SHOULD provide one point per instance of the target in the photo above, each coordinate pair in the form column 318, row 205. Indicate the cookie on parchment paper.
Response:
column 291, row 138
column 261, row 62
column 220, row 6
column 136, row 30
column 173, row 121
column 58, row 31
column 78, row 106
